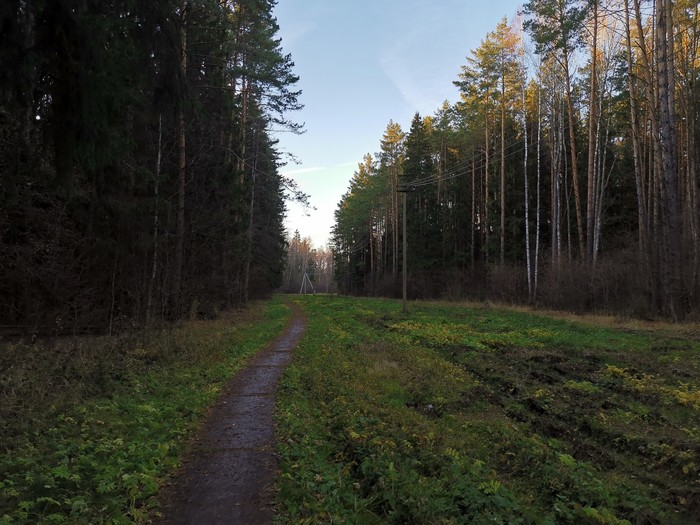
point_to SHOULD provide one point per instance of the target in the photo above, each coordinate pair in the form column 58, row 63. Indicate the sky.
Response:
column 361, row 64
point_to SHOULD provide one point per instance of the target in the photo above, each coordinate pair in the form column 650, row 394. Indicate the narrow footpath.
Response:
column 229, row 475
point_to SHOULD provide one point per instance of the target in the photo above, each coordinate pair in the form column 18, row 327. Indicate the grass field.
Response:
column 459, row 414
column 448, row 414
column 92, row 426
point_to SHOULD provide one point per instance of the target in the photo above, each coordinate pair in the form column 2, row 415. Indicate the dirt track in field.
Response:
column 230, row 472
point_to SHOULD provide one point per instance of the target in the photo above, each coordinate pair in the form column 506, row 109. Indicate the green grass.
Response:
column 456, row 414
column 92, row 426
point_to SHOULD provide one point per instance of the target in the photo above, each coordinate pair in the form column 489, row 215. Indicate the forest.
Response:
column 139, row 175
column 140, row 182
column 142, row 210
column 565, row 176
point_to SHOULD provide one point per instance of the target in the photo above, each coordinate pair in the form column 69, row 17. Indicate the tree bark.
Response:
column 528, row 265
column 154, row 264
column 592, row 127
column 537, row 212
column 642, row 217
column 182, row 165
column 249, row 236
column 473, row 211
column 503, row 169
column 672, row 276
column 487, row 176
column 572, row 149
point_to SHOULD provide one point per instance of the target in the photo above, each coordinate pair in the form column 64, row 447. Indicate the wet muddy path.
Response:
column 230, row 472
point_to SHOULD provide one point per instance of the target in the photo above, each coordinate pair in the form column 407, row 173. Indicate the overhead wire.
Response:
column 362, row 245
column 463, row 168
column 475, row 162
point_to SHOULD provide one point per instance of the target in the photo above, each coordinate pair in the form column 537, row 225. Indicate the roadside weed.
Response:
column 91, row 427
column 461, row 414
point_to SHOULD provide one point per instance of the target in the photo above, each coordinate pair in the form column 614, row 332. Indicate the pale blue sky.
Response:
column 361, row 64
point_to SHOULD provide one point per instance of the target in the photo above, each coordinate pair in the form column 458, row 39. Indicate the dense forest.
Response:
column 138, row 167
column 566, row 175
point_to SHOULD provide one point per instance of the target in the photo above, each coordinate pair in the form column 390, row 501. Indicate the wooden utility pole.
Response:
column 405, row 255
column 404, row 269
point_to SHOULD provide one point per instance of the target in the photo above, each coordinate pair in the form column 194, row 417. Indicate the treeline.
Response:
column 314, row 263
column 566, row 175
column 138, row 169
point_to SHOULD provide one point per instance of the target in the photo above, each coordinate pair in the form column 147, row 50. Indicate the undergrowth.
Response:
column 92, row 426
column 454, row 414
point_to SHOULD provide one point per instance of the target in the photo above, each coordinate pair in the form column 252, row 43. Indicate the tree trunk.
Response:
column 672, row 277
column 154, row 265
column 503, row 170
column 487, row 176
column 537, row 212
column 527, row 205
column 240, row 164
column 592, row 127
column 473, row 210
column 371, row 251
column 642, row 217
column 572, row 149
column 556, row 153
column 181, row 164
column 653, row 165
column 249, row 255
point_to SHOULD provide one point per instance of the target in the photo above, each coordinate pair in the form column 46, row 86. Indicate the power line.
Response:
column 465, row 167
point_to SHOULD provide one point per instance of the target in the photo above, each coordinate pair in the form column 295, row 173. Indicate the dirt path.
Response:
column 229, row 475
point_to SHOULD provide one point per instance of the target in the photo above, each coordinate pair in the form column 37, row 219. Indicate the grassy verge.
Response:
column 91, row 426
column 456, row 414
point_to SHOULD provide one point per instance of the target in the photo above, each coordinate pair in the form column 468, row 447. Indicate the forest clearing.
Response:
column 149, row 153
column 478, row 414
column 450, row 413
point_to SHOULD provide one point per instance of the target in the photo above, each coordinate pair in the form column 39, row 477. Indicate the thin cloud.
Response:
column 302, row 171
column 294, row 33
column 421, row 88
column 425, row 85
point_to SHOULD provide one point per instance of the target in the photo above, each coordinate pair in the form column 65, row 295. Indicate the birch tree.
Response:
column 556, row 27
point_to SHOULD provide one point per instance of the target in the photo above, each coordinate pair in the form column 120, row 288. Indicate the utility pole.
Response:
column 404, row 269
column 405, row 255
